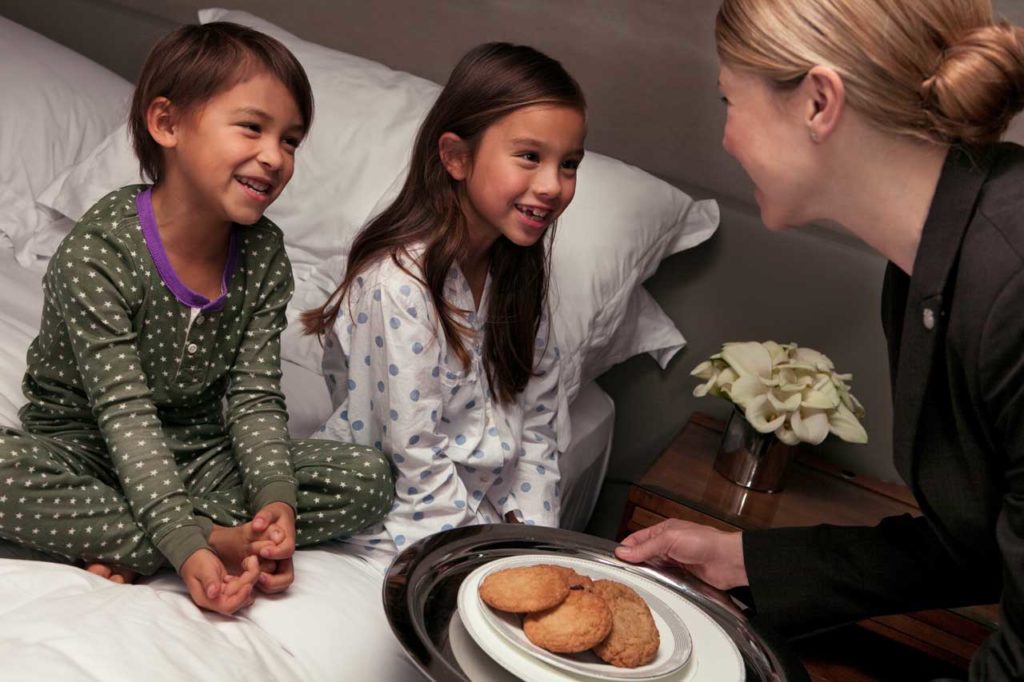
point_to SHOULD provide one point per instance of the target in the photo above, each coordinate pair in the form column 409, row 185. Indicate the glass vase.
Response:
column 750, row 458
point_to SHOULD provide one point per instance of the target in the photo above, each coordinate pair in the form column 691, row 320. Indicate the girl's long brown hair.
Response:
column 489, row 82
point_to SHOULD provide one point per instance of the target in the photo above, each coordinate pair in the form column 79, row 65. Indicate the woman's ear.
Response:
column 454, row 155
column 826, row 99
column 161, row 121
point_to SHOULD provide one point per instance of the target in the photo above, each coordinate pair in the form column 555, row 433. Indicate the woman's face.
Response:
column 767, row 132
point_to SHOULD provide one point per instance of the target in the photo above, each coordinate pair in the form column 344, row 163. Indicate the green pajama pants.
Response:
column 59, row 495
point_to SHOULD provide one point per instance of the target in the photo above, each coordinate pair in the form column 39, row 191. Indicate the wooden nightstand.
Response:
column 682, row 484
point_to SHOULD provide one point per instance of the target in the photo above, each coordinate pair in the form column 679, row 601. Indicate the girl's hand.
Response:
column 213, row 589
column 274, row 528
column 714, row 556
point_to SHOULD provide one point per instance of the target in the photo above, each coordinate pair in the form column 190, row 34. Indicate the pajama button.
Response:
column 200, row 319
column 192, row 348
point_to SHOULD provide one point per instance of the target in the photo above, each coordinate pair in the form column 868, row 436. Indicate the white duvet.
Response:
column 58, row 622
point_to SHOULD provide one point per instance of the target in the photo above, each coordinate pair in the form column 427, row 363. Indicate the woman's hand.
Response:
column 714, row 556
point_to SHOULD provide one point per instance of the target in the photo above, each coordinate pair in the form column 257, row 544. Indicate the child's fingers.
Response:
column 267, row 549
column 281, row 580
column 260, row 522
column 227, row 605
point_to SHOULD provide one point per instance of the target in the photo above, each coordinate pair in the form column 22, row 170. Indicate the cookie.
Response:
column 575, row 625
column 634, row 639
column 525, row 589
column 576, row 581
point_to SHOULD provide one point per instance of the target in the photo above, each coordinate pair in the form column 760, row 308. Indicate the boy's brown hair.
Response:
column 196, row 62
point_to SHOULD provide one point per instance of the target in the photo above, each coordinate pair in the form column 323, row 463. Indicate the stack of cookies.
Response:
column 568, row 613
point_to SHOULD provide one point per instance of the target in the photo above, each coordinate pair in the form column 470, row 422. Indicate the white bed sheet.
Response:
column 59, row 622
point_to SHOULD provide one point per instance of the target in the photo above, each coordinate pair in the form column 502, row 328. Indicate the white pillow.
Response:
column 55, row 106
column 621, row 224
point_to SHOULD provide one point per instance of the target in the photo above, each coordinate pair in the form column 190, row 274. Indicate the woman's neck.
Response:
column 881, row 190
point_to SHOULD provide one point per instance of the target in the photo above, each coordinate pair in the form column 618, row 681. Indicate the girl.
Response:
column 448, row 361
column 885, row 117
column 160, row 303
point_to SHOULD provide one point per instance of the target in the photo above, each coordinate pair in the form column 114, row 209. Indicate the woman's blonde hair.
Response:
column 937, row 70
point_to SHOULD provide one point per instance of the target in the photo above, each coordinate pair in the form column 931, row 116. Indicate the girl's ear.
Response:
column 454, row 155
column 826, row 98
column 161, row 121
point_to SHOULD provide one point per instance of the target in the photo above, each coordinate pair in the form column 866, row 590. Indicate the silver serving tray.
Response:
column 422, row 586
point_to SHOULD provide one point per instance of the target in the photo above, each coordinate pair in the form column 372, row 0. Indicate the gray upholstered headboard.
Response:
column 649, row 70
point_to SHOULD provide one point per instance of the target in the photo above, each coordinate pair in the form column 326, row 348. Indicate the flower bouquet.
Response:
column 785, row 390
column 783, row 395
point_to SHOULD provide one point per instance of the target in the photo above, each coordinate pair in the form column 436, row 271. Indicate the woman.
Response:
column 885, row 117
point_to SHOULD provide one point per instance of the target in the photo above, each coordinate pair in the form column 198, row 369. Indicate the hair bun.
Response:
column 978, row 87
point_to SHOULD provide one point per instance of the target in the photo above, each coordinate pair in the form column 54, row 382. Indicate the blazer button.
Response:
column 928, row 319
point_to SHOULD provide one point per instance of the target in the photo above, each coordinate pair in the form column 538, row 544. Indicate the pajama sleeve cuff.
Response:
column 181, row 543
column 277, row 491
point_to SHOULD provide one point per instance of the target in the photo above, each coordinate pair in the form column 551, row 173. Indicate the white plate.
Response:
column 675, row 639
column 714, row 656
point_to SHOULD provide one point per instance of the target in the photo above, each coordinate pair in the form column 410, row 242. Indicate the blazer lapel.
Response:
column 924, row 320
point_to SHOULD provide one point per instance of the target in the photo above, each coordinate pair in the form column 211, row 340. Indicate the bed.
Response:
column 61, row 147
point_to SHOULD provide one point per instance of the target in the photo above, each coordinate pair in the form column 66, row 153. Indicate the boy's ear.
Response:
column 454, row 155
column 161, row 121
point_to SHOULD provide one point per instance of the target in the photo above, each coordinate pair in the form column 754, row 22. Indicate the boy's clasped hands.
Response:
column 254, row 555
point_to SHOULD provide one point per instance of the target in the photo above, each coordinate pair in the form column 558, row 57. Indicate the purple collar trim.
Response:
column 147, row 219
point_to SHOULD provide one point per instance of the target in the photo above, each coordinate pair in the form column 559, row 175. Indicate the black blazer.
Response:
column 955, row 332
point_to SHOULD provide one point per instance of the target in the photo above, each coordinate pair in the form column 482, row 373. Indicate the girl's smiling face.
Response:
column 235, row 153
column 522, row 174
column 766, row 132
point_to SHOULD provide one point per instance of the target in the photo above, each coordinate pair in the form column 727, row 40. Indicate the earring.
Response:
column 814, row 136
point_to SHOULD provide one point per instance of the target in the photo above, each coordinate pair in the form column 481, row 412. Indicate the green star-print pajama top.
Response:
column 154, row 412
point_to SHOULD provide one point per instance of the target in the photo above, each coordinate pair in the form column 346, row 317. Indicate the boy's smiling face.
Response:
column 233, row 155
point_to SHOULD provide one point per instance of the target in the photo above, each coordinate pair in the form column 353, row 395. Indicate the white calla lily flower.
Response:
column 762, row 416
column 748, row 358
column 810, row 427
column 844, row 424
